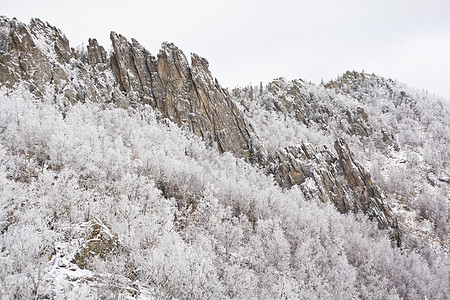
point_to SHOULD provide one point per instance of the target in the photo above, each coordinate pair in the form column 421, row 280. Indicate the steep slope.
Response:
column 409, row 150
column 340, row 180
column 334, row 176
column 40, row 56
column 186, row 94
column 100, row 203
column 398, row 134
column 101, row 196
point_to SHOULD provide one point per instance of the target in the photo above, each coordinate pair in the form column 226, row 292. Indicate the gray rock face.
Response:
column 369, row 198
column 19, row 54
column 39, row 55
column 340, row 180
column 213, row 102
column 96, row 53
column 130, row 68
column 188, row 95
column 294, row 99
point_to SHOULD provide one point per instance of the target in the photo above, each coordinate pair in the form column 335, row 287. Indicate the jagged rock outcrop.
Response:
column 340, row 180
column 293, row 98
column 359, row 181
column 21, row 58
column 39, row 57
column 130, row 69
column 99, row 240
column 187, row 95
column 231, row 131
column 96, row 53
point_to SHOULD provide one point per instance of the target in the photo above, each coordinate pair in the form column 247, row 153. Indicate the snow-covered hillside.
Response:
column 177, row 218
column 399, row 134
column 125, row 176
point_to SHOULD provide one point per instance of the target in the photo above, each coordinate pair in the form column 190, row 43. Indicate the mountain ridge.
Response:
column 185, row 93
column 293, row 138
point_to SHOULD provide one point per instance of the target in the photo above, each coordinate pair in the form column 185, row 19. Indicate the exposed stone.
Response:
column 293, row 99
column 129, row 66
column 96, row 53
column 188, row 96
column 340, row 180
column 100, row 241
column 357, row 122
column 39, row 56
column 54, row 37
column 231, row 131
column 20, row 55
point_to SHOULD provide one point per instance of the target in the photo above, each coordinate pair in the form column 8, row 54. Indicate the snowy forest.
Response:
column 110, row 195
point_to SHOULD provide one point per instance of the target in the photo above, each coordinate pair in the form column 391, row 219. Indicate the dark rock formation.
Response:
column 38, row 56
column 367, row 195
column 294, row 99
column 96, row 53
column 340, row 180
column 186, row 95
column 229, row 127
column 99, row 241
column 21, row 59
column 129, row 64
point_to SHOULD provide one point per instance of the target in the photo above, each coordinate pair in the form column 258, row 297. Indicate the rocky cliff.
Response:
column 320, row 174
column 39, row 56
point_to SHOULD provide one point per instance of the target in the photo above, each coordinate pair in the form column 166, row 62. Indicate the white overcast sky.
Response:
column 258, row 40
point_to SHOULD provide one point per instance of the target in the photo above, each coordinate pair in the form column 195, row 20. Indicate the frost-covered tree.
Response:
column 106, row 202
